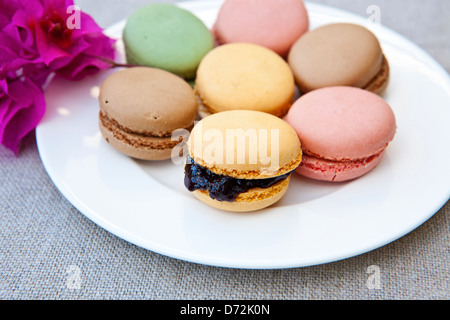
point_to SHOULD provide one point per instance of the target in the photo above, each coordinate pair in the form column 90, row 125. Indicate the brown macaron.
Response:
column 140, row 108
column 241, row 160
column 339, row 54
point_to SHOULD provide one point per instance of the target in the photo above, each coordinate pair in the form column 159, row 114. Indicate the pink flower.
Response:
column 37, row 38
column 72, row 50
column 22, row 102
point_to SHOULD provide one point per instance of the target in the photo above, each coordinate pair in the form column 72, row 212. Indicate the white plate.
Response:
column 146, row 203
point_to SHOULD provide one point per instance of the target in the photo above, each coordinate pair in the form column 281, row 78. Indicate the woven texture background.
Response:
column 44, row 241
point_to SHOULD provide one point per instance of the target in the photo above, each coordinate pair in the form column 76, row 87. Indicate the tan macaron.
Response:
column 141, row 107
column 241, row 160
column 339, row 54
column 244, row 76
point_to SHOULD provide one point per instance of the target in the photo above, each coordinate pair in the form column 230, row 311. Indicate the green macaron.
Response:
column 168, row 37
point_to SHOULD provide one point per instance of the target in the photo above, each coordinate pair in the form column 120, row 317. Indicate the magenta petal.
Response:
column 55, row 5
column 4, row 108
column 7, row 10
column 25, row 108
column 71, row 53
column 48, row 50
column 34, row 42
column 85, row 55
column 90, row 61
column 20, row 30
column 87, row 26
column 33, row 7
column 83, row 66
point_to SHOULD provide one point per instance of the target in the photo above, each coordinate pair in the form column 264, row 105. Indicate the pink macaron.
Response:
column 344, row 132
column 275, row 24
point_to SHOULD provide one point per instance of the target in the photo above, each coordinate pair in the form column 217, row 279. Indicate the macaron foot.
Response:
column 255, row 199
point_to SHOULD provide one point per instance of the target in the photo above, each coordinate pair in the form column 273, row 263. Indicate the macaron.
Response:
column 140, row 108
column 241, row 160
column 344, row 132
column 339, row 54
column 168, row 37
column 244, row 76
column 271, row 23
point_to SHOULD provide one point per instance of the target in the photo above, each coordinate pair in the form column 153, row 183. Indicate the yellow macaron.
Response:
column 244, row 76
column 241, row 160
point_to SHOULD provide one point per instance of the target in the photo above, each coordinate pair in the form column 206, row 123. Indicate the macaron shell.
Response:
column 340, row 54
column 168, row 37
column 254, row 199
column 342, row 123
column 275, row 151
column 243, row 76
column 271, row 23
column 148, row 100
column 333, row 171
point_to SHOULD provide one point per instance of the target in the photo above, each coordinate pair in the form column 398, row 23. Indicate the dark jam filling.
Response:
column 220, row 187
